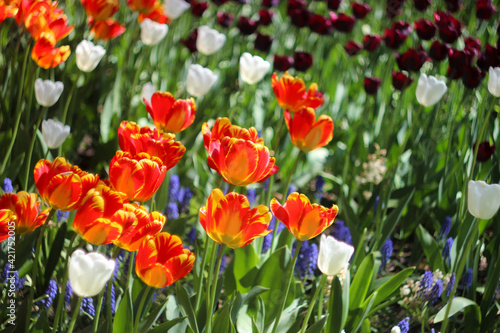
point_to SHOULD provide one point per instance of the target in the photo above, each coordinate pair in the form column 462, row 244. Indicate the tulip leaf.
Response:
column 55, row 252
column 153, row 317
column 430, row 248
column 361, row 282
column 458, row 304
column 124, row 315
column 318, row 326
column 221, row 321
column 244, row 268
column 390, row 286
column 186, row 307
column 164, row 327
column 338, row 305
column 392, row 219
column 42, row 324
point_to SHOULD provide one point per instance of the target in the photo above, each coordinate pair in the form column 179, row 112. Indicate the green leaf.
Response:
column 336, row 306
column 106, row 118
column 458, row 304
column 393, row 219
column 164, row 327
column 317, row 327
column 124, row 315
column 42, row 324
column 390, row 286
column 431, row 249
column 221, row 322
column 55, row 252
column 245, row 268
column 186, row 307
column 362, row 281
column 145, row 325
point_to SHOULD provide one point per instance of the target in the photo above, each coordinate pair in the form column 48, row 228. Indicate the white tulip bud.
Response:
column 494, row 81
column 396, row 329
column 175, row 8
column 88, row 55
column 253, row 68
column 209, row 40
column 333, row 255
column 54, row 133
column 88, row 273
column 430, row 90
column 483, row 200
column 199, row 80
column 152, row 32
column 47, row 92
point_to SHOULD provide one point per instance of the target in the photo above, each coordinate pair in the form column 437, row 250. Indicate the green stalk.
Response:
column 141, row 307
column 320, row 287
column 209, row 283
column 290, row 278
column 95, row 324
column 75, row 315
column 214, row 286
column 30, row 151
column 200, row 279
column 108, row 291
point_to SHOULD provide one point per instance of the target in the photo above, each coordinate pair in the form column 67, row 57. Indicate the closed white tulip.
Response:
column 253, row 68
column 88, row 55
column 333, row 255
column 174, row 8
column 152, row 32
column 199, row 80
column 430, row 90
column 494, row 81
column 47, row 92
column 483, row 200
column 89, row 272
column 54, row 133
column 209, row 40
column 147, row 91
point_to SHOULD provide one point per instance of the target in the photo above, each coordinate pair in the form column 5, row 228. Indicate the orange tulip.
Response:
column 135, row 139
column 7, row 224
column 157, row 14
column 241, row 162
column 223, row 127
column 169, row 114
column 303, row 219
column 161, row 260
column 7, row 10
column 138, row 176
column 229, row 220
column 98, row 219
column 101, row 10
column 292, row 95
column 306, row 133
column 140, row 227
column 106, row 30
column 61, row 184
column 44, row 16
column 143, row 6
column 46, row 55
column 25, row 209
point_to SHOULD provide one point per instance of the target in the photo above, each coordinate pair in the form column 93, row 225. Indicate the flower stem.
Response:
column 313, row 302
column 214, row 286
column 30, row 151
column 200, row 279
column 95, row 324
column 75, row 315
column 290, row 278
column 138, row 315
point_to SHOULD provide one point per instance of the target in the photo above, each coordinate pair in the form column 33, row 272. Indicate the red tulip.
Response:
column 360, row 10
column 352, row 48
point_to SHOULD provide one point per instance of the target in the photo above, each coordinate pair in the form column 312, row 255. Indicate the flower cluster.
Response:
column 100, row 13
column 426, row 289
column 375, row 169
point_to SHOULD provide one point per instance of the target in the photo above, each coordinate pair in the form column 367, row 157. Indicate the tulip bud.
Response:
column 430, row 90
column 88, row 273
column 209, row 40
column 483, row 200
column 175, row 8
column 88, row 55
column 494, row 81
column 47, row 92
column 253, row 68
column 54, row 133
column 333, row 255
column 152, row 32
column 199, row 80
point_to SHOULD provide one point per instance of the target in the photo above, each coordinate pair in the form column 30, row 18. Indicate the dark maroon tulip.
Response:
column 394, row 7
column 333, row 4
column 472, row 77
column 190, row 42
column 246, row 25
column 454, row 73
column 198, row 8
column 425, row 29
column 320, row 24
column 263, row 42
column 449, row 27
column 401, row 81
column 438, row 51
column 411, row 60
column 489, row 58
column 282, row 63
column 270, row 3
column 473, row 45
column 299, row 17
column 484, row 9
column 394, row 38
column 403, row 27
column 302, row 61
column 225, row 19
column 372, row 84
column 484, row 151
column 360, row 10
column 344, row 23
column 459, row 59
column 296, row 4
column 371, row 42
column 421, row 5
column 352, row 48
column 265, row 17
column 452, row 5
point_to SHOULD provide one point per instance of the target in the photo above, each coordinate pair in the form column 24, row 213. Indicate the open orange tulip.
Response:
column 306, row 133
column 7, row 11
column 169, row 114
column 61, row 184
column 156, row 14
column 292, row 94
column 138, row 176
column 223, row 127
column 229, row 220
column 303, row 219
column 25, row 208
column 46, row 55
column 101, row 10
column 7, row 219
column 161, row 260
column 241, row 162
column 135, row 139
column 143, row 6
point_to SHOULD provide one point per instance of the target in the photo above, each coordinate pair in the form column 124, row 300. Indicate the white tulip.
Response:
column 174, row 8
column 396, row 329
column 253, row 68
column 494, row 81
column 88, row 273
column 430, row 90
column 483, row 200
column 152, row 32
column 199, row 80
column 147, row 91
column 88, row 55
column 47, row 92
column 54, row 133
column 333, row 255
column 209, row 40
